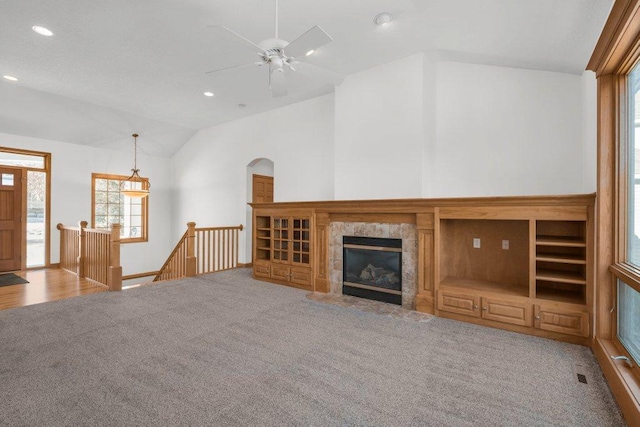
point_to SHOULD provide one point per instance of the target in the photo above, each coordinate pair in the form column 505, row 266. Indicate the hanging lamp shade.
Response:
column 134, row 186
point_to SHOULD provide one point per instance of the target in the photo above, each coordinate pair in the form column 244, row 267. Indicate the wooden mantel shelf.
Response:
column 420, row 205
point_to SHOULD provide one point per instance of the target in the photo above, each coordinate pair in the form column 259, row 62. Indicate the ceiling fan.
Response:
column 279, row 54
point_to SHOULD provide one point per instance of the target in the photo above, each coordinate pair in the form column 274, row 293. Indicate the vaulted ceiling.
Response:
column 118, row 66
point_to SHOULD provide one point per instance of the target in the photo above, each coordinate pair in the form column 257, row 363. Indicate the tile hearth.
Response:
column 370, row 306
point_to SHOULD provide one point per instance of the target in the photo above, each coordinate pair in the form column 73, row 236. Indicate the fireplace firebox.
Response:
column 372, row 268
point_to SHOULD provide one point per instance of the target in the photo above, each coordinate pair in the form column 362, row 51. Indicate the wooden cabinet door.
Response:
column 515, row 313
column 261, row 269
column 280, row 272
column 301, row 276
column 459, row 303
column 560, row 320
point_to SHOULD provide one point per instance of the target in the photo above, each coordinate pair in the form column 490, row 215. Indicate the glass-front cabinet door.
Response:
column 292, row 240
column 301, row 253
column 281, row 240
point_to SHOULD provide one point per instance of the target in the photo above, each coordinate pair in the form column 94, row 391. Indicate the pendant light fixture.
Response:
column 134, row 186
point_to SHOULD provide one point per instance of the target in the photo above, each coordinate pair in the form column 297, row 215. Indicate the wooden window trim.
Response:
column 628, row 273
column 615, row 54
column 145, row 206
column 47, row 217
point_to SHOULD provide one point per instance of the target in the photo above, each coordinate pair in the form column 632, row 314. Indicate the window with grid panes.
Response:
column 110, row 206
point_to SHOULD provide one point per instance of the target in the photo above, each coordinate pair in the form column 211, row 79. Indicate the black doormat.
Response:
column 11, row 279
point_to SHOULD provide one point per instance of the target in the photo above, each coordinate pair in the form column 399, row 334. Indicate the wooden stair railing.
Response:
column 202, row 250
column 175, row 265
column 92, row 254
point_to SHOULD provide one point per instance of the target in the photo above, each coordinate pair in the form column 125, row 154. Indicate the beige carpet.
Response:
column 224, row 349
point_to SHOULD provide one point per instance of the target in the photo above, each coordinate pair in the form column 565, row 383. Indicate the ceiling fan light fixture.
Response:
column 383, row 19
column 135, row 187
column 277, row 54
column 10, row 78
column 42, row 31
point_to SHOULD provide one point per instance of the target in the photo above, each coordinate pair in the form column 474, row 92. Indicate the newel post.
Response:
column 114, row 275
column 63, row 245
column 191, row 249
column 82, row 239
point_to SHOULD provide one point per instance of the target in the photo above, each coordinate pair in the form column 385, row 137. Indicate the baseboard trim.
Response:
column 139, row 275
column 247, row 265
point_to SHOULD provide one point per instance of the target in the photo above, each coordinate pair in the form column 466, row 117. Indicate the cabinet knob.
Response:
column 475, row 306
column 537, row 317
column 484, row 308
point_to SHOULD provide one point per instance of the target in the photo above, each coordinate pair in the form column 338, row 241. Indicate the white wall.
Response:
column 71, row 168
column 416, row 127
column 379, row 132
column 430, row 104
column 210, row 171
column 507, row 131
column 589, row 130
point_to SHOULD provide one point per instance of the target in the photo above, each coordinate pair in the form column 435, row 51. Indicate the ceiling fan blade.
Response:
column 323, row 73
column 233, row 67
column 311, row 40
column 237, row 37
column 277, row 83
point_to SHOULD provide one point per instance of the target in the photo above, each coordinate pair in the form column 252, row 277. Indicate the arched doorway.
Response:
column 262, row 167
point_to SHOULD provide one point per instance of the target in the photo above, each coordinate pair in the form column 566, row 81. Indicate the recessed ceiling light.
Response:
column 310, row 52
column 42, row 31
column 208, row 94
column 10, row 78
column 383, row 18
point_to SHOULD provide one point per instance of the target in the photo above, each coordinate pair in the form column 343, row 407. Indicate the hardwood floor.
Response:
column 46, row 285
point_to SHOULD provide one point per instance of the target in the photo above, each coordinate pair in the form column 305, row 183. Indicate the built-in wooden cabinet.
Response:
column 527, row 270
column 282, row 248
column 519, row 263
column 562, row 320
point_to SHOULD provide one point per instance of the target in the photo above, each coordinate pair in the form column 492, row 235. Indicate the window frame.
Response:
column 616, row 53
column 145, row 206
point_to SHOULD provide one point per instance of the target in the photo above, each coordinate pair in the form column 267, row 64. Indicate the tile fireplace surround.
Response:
column 407, row 232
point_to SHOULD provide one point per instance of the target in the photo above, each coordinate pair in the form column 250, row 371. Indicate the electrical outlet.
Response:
column 505, row 245
column 476, row 243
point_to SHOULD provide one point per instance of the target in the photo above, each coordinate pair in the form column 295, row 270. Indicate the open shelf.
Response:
column 561, row 258
column 565, row 241
column 262, row 238
column 559, row 276
column 489, row 267
column 561, row 261
column 559, row 295
column 485, row 286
